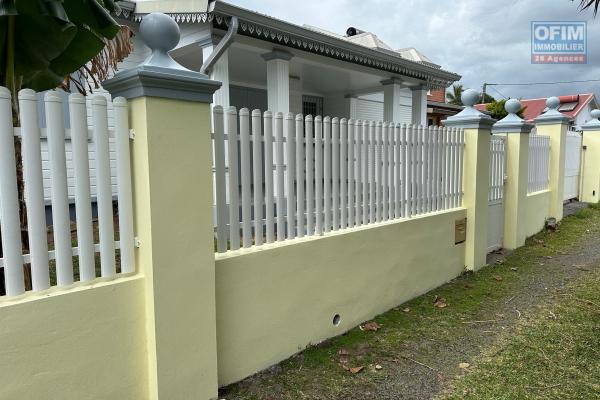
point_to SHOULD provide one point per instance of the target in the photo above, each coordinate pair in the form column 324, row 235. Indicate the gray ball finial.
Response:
column 595, row 114
column 159, row 32
column 552, row 103
column 470, row 97
column 512, row 106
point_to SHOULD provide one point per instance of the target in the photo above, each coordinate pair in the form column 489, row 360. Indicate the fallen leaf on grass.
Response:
column 407, row 310
column 356, row 370
column 378, row 367
column 498, row 278
column 440, row 303
column 370, row 326
column 464, row 365
column 514, row 269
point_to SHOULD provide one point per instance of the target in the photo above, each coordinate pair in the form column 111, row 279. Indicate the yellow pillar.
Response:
column 555, row 124
column 590, row 160
column 476, row 180
column 171, row 162
column 517, row 165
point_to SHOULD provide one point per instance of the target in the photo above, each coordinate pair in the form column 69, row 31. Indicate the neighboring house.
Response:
column 277, row 65
column 438, row 109
column 577, row 106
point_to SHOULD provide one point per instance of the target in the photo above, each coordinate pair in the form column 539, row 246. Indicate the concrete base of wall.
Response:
column 83, row 343
column 276, row 300
column 538, row 204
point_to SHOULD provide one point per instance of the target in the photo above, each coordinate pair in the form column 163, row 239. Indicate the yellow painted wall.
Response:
column 590, row 179
column 82, row 343
column 274, row 301
column 538, row 210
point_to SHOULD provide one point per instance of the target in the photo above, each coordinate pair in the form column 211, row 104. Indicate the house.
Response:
column 438, row 109
column 576, row 106
column 266, row 63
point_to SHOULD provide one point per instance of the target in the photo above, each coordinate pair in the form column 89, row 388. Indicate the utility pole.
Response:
column 483, row 92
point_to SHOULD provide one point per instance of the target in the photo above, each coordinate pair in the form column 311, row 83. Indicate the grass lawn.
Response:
column 527, row 326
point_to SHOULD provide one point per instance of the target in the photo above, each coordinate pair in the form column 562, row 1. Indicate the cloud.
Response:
column 484, row 41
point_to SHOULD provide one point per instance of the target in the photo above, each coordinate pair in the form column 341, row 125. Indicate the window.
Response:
column 312, row 105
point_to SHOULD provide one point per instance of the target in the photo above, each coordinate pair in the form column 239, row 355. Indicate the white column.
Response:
column 391, row 100
column 278, row 80
column 419, row 105
column 219, row 71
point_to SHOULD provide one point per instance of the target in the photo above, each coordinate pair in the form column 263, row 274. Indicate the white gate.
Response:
column 495, row 231
column 572, row 165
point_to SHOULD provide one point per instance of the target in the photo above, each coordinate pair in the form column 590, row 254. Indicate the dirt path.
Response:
column 418, row 351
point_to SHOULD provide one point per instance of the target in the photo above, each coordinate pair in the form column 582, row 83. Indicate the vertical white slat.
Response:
column 34, row 190
column 246, row 180
column 398, row 179
column 231, row 125
column 435, row 165
column 279, row 168
column 426, row 170
column 327, row 173
column 124, row 191
column 351, row 176
column 384, row 171
column 310, row 175
column 456, row 189
column 9, row 201
column 420, row 169
column 83, row 201
column 58, row 172
column 431, row 175
column 103, row 187
column 461, row 165
column 365, row 174
column 220, row 187
column 447, row 171
column 391, row 183
column 452, row 166
column 440, row 176
column 371, row 178
column 300, row 180
column 343, row 167
column 257, row 171
column 319, row 174
column 269, row 193
column 335, row 173
column 408, row 129
column 377, row 148
column 290, row 139
column 358, row 186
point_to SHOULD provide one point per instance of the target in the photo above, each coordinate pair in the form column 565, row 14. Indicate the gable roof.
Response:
column 572, row 104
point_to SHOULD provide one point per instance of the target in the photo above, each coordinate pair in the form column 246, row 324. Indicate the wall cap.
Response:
column 512, row 123
column 159, row 75
column 552, row 116
column 594, row 123
column 470, row 117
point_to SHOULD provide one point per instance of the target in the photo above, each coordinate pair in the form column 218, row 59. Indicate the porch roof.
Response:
column 286, row 34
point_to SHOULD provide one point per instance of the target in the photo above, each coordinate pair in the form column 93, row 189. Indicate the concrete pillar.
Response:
column 554, row 124
column 391, row 100
column 171, row 170
column 517, row 164
column 278, row 80
column 219, row 71
column 419, row 105
column 590, row 161
column 476, row 179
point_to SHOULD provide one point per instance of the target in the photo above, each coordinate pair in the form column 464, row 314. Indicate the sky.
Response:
column 482, row 40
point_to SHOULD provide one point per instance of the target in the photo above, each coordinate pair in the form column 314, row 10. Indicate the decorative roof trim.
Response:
column 180, row 18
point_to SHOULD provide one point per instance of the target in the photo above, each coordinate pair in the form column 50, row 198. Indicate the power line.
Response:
column 497, row 91
column 541, row 83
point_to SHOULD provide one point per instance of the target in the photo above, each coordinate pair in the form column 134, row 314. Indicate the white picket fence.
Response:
column 295, row 176
column 573, row 151
column 539, row 163
column 39, row 259
column 497, row 168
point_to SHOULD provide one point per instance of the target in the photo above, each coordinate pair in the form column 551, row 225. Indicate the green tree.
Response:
column 487, row 98
column 454, row 96
column 497, row 111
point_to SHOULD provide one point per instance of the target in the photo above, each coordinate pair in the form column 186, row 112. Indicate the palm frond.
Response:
column 585, row 4
column 103, row 65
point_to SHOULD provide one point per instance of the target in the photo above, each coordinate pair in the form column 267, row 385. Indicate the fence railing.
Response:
column 280, row 177
column 539, row 163
column 497, row 169
column 59, row 259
